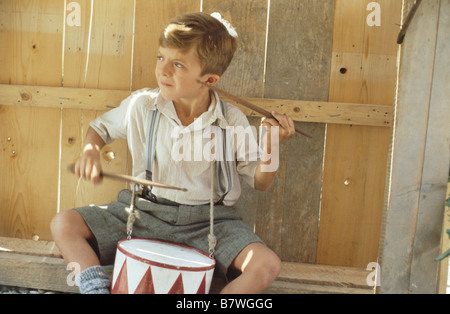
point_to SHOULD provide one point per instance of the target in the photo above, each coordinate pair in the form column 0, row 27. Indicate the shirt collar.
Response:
column 213, row 116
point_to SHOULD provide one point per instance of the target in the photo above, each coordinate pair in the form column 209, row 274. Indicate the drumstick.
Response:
column 126, row 178
column 251, row 106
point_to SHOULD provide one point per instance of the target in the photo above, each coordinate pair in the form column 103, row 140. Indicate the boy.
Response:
column 193, row 47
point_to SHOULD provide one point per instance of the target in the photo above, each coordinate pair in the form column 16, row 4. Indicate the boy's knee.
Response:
column 268, row 268
column 58, row 224
column 64, row 223
column 273, row 267
column 55, row 224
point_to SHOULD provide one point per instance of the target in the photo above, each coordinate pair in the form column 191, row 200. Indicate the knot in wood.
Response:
column 25, row 96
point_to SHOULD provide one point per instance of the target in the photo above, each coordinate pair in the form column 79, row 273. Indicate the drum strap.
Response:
column 211, row 237
column 146, row 191
column 153, row 127
column 226, row 163
column 228, row 174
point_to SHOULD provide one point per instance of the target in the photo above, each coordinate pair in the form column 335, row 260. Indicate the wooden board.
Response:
column 245, row 75
column 28, row 190
column 76, row 45
column 32, row 55
column 434, row 178
column 101, row 99
column 363, row 70
column 29, row 247
column 31, row 36
column 110, row 45
column 444, row 266
column 419, row 168
column 97, row 54
column 293, row 204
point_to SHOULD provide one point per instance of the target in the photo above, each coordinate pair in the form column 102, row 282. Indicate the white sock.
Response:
column 94, row 280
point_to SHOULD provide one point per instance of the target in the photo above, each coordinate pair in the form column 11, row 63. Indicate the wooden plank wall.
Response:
column 31, row 41
column 289, row 49
column 39, row 48
column 363, row 71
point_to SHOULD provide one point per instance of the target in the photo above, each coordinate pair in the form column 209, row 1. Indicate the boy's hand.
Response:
column 89, row 165
column 283, row 121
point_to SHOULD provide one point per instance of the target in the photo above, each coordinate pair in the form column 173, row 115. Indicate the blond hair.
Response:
column 214, row 43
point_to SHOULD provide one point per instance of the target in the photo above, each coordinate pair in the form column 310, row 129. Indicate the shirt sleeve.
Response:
column 113, row 124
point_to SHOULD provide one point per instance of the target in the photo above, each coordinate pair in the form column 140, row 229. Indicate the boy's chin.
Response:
column 166, row 95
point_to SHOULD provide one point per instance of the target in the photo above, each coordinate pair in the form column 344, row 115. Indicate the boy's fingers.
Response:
column 285, row 122
column 291, row 124
column 270, row 121
column 95, row 175
column 283, row 119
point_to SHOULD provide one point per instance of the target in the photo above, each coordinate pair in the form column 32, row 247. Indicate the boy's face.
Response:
column 177, row 73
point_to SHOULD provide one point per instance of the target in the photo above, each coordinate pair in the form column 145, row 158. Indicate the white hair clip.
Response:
column 227, row 24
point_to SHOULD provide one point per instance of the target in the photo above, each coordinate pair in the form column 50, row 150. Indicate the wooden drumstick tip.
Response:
column 71, row 168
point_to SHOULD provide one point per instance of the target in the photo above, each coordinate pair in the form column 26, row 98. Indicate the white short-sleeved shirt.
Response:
column 176, row 162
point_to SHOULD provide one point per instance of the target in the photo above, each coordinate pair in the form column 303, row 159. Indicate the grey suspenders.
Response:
column 224, row 165
column 153, row 127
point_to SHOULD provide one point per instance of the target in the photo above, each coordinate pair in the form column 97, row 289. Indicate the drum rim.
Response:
column 164, row 265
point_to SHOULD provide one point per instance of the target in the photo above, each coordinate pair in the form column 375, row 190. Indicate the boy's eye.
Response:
column 178, row 65
column 160, row 58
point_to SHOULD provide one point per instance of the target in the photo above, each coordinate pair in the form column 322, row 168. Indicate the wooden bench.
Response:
column 39, row 265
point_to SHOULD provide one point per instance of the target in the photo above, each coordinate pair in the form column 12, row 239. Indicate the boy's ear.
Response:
column 211, row 79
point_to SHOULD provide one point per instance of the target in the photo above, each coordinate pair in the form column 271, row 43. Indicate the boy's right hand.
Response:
column 89, row 165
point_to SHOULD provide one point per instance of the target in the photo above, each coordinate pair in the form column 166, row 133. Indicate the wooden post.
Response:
column 417, row 180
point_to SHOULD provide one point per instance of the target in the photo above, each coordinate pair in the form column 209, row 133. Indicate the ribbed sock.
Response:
column 94, row 280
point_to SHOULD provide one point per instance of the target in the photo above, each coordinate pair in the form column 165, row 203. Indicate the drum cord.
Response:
column 132, row 215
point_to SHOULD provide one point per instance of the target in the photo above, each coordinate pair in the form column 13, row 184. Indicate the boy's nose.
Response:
column 164, row 69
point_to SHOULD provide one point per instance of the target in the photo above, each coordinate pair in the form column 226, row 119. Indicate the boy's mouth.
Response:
column 166, row 84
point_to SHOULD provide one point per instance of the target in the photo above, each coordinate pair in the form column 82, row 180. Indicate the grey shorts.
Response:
column 187, row 225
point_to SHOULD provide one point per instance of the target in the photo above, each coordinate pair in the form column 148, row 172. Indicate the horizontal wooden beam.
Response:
column 326, row 112
column 101, row 99
column 60, row 97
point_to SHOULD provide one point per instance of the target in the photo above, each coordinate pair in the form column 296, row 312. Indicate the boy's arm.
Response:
column 264, row 179
column 88, row 166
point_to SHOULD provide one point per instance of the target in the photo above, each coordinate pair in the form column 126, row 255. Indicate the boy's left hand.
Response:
column 283, row 121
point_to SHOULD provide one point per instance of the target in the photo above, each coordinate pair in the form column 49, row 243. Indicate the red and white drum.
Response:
column 145, row 266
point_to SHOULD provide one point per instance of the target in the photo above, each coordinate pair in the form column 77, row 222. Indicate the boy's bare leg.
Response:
column 71, row 235
column 260, row 266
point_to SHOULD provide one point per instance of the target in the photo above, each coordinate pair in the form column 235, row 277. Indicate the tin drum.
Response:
column 145, row 266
